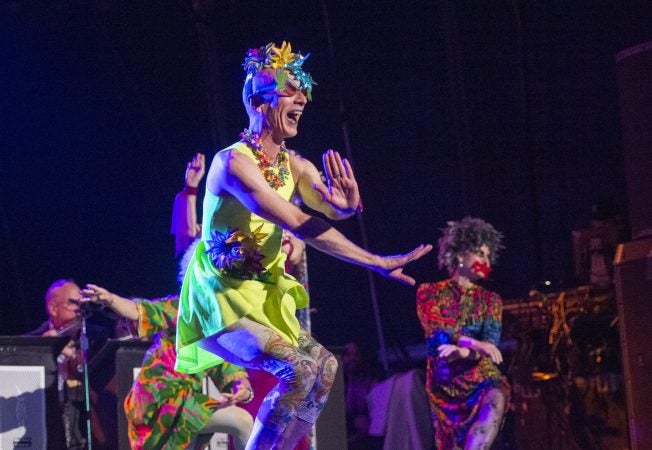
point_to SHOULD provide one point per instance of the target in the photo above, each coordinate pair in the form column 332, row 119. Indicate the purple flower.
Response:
column 236, row 253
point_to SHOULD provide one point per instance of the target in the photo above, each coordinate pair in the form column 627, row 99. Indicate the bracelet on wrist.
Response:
column 251, row 396
column 190, row 190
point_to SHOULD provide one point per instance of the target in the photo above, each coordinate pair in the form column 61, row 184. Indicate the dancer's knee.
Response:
column 299, row 372
column 328, row 371
column 232, row 420
column 242, row 425
column 306, row 373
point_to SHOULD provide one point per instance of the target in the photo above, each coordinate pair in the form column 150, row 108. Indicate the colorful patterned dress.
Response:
column 456, row 386
column 237, row 270
column 166, row 409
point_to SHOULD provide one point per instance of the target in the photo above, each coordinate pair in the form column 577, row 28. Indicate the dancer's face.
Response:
column 283, row 108
column 476, row 265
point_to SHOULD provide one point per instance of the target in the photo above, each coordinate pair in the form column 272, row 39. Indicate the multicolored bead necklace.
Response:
column 275, row 172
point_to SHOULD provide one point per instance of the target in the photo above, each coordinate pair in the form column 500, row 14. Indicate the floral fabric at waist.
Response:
column 236, row 253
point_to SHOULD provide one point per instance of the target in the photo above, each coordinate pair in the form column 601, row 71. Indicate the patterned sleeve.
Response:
column 156, row 315
column 225, row 374
column 435, row 325
column 492, row 326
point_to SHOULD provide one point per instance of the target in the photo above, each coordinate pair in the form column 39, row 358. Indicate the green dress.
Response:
column 237, row 270
column 166, row 409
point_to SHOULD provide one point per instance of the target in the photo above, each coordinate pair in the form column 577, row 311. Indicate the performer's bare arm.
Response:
column 185, row 226
column 340, row 197
column 234, row 173
column 120, row 305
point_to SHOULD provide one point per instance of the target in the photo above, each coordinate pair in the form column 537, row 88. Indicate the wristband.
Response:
column 189, row 190
column 251, row 396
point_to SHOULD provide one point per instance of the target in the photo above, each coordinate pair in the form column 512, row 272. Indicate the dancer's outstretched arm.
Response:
column 233, row 173
column 120, row 305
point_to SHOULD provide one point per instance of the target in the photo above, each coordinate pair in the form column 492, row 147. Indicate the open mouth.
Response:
column 294, row 116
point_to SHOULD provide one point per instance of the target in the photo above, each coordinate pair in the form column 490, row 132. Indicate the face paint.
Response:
column 481, row 268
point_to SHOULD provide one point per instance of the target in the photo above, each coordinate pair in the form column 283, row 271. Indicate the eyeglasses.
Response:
column 292, row 87
column 71, row 304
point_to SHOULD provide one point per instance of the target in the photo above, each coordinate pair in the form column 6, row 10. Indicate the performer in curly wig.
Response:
column 237, row 302
column 462, row 324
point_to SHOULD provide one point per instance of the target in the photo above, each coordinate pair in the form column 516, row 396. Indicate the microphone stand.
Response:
column 85, row 311
column 83, row 341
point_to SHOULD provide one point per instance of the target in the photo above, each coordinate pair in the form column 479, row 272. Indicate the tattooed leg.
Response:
column 255, row 346
column 484, row 430
column 327, row 368
column 309, row 409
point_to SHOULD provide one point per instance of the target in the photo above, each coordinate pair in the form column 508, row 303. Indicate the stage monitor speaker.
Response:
column 128, row 360
column 634, row 70
column 30, row 416
column 632, row 269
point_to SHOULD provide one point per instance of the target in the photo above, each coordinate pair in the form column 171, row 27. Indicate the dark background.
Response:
column 502, row 110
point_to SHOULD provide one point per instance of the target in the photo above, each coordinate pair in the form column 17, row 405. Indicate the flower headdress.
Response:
column 280, row 59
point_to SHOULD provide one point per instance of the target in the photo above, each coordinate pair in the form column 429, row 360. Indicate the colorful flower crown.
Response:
column 280, row 59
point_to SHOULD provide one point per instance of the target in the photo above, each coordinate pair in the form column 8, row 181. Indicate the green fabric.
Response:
column 212, row 300
column 166, row 409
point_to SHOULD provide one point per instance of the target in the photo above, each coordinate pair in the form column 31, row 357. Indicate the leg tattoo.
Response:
column 305, row 372
column 484, row 430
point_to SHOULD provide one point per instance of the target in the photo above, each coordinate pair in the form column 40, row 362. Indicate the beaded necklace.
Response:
column 275, row 172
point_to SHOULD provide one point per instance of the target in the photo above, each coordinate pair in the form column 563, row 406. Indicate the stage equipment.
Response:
column 29, row 396
column 567, row 383
column 633, row 272
column 400, row 413
column 122, row 358
column 331, row 426
column 634, row 71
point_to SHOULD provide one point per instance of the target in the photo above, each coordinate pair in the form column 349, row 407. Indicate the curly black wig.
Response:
column 465, row 236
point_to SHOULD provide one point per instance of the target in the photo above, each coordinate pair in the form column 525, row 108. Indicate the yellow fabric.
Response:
column 212, row 300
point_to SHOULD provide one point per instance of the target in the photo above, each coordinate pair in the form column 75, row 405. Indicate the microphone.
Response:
column 88, row 308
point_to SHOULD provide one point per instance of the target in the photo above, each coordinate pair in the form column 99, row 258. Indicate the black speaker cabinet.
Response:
column 331, row 426
column 30, row 416
column 634, row 297
column 634, row 70
column 128, row 358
